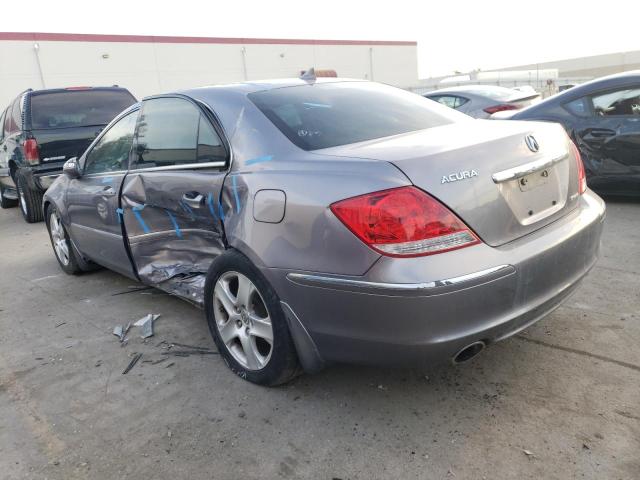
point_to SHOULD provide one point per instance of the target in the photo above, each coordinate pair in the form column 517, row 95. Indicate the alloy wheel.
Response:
column 59, row 238
column 242, row 320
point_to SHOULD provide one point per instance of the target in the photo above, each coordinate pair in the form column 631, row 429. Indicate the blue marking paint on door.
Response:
column 176, row 227
column 136, row 211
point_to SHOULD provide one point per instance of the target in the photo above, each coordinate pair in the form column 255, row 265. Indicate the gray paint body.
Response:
column 344, row 301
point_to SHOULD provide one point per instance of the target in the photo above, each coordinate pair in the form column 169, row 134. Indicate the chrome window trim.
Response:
column 382, row 288
column 527, row 169
column 104, row 174
column 185, row 166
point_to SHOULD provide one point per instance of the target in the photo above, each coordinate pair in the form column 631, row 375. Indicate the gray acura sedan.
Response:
column 322, row 221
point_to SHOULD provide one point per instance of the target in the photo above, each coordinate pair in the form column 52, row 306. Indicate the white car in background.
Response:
column 482, row 101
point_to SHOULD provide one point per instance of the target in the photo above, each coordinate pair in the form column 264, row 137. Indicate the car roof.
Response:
column 610, row 81
column 74, row 89
column 493, row 92
column 472, row 88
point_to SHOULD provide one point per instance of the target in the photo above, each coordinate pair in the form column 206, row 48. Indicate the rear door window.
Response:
column 111, row 153
column 451, row 101
column 13, row 120
column 77, row 108
column 174, row 132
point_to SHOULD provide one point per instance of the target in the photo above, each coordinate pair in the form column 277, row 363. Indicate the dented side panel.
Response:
column 309, row 236
column 173, row 222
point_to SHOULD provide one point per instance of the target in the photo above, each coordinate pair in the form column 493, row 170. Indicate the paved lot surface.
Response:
column 561, row 401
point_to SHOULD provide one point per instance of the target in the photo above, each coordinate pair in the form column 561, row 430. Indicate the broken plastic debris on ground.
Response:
column 145, row 324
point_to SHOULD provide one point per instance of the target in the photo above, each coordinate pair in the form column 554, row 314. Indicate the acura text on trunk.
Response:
column 332, row 221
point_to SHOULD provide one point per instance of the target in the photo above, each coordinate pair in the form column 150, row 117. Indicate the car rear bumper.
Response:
column 407, row 312
column 40, row 177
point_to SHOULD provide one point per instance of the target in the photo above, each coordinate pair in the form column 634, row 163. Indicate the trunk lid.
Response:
column 486, row 173
column 58, row 145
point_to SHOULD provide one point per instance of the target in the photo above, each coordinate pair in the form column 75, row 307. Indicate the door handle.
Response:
column 599, row 134
column 108, row 190
column 4, row 147
column 193, row 199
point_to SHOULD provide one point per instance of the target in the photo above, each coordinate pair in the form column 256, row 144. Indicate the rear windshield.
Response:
column 77, row 108
column 327, row 115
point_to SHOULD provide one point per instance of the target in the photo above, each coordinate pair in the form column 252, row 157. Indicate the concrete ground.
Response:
column 560, row 401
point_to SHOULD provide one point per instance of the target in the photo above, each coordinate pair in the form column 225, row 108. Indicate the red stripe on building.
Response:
column 86, row 37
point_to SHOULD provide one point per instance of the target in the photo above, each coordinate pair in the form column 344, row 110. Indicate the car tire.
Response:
column 6, row 202
column 30, row 200
column 241, row 306
column 62, row 248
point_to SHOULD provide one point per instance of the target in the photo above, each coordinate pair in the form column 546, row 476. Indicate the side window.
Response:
column 2, row 125
column 173, row 131
column 451, row 101
column 210, row 147
column 460, row 101
column 579, row 107
column 6, row 125
column 111, row 152
column 447, row 100
column 16, row 116
column 619, row 102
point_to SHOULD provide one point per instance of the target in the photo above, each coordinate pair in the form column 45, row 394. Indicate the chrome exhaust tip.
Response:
column 468, row 352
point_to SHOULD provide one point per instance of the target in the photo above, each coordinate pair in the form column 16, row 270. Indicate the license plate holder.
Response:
column 534, row 180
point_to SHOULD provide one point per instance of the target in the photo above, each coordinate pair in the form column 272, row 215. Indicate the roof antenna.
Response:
column 309, row 75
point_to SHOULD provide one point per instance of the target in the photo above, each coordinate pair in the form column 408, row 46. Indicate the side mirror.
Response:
column 71, row 168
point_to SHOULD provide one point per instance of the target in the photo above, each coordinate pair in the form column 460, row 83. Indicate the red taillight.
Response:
column 78, row 88
column 582, row 176
column 31, row 151
column 403, row 222
column 501, row 108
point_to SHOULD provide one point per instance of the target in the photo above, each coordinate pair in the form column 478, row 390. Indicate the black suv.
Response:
column 41, row 129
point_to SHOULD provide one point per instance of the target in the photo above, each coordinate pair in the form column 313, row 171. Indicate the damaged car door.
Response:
column 611, row 134
column 92, row 198
column 170, row 197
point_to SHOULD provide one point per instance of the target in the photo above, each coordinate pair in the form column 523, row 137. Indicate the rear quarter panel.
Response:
column 309, row 237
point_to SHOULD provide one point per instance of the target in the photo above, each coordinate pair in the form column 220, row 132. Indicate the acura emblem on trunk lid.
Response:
column 454, row 177
column 532, row 143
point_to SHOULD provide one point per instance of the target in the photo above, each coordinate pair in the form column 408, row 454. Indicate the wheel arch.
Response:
column 308, row 354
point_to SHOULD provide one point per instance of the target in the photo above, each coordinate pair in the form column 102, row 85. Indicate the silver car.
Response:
column 482, row 101
column 332, row 221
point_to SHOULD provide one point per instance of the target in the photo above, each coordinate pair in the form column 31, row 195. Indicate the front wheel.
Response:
column 247, row 322
column 61, row 244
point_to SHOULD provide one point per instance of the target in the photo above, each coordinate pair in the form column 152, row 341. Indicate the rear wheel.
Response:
column 247, row 322
column 30, row 200
column 6, row 202
column 61, row 244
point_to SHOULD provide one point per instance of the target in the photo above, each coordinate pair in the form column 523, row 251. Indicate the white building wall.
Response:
column 149, row 67
column 592, row 66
